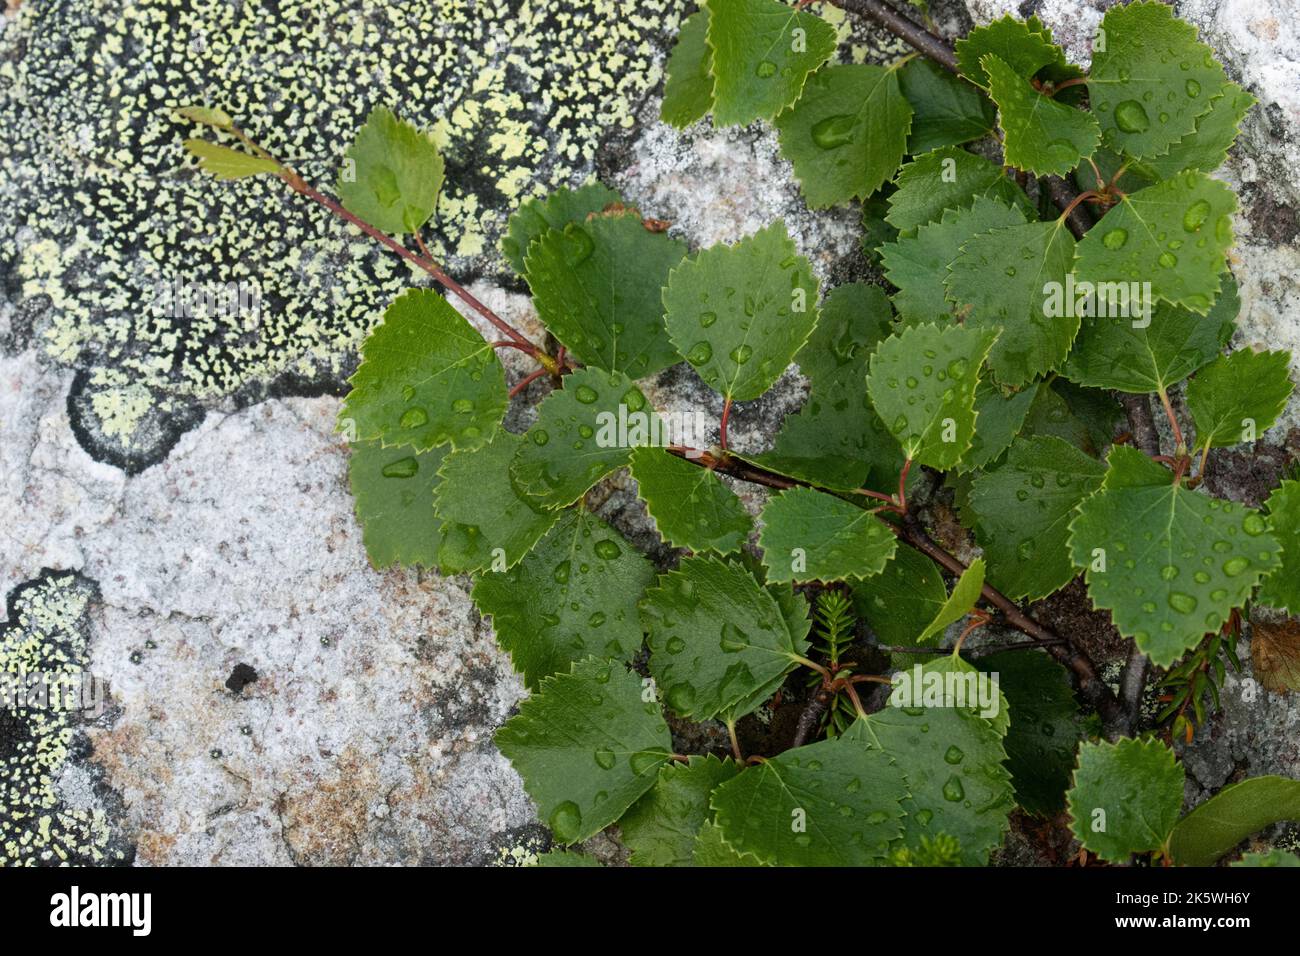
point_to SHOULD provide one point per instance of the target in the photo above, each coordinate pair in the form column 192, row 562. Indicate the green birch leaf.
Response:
column 662, row 826
column 1024, row 45
column 1214, row 827
column 393, row 488
column 1239, row 396
column 1168, row 563
column 965, row 593
column 947, row 179
column 847, row 134
column 596, row 285
column 587, row 747
column 811, row 536
column 535, row 217
column 715, row 635
column 945, row 111
column 1045, row 727
column 836, row 438
column 391, row 175
column 688, row 88
column 1152, row 80
column 833, row 803
column 206, row 115
column 760, row 62
column 575, row 441
column 1125, row 798
column 922, row 385
column 1281, row 589
column 1207, row 147
column 918, row 264
column 226, row 163
column 690, row 505
column 950, row 759
column 712, row 850
column 1039, row 134
column 740, row 313
column 426, row 378
column 573, row 596
column 899, row 602
column 1174, row 234
column 998, row 280
column 486, row 522
column 1274, row 857
column 1141, row 356
column 876, row 231
column 1000, row 416
column 1023, row 510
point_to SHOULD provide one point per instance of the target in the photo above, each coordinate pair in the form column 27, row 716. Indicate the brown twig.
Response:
column 881, row 13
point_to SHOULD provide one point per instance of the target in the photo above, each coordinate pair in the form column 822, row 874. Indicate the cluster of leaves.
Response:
column 970, row 369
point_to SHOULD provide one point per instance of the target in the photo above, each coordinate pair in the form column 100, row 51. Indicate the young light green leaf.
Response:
column 207, row 116
column 1040, row 135
column 226, row 163
column 1024, row 45
column 965, row 594
column 1239, row 396
column 573, row 596
column 688, row 88
column 690, row 505
column 1146, row 354
column 393, row 488
column 1206, row 147
column 950, row 758
column 1125, row 798
column 715, row 635
column 535, row 217
column 846, row 135
column 391, row 174
column 832, row 803
column 486, row 522
column 565, row 858
column 763, row 51
column 575, row 441
column 998, row 281
column 1216, row 826
column 1168, row 563
column 999, row 417
column 1045, row 727
column 945, row 180
column 1023, row 510
column 922, row 385
column 740, row 313
column 426, row 378
column 1174, row 234
column 587, row 746
column 597, row 286
column 918, row 264
column 1151, row 80
column 661, row 827
column 1281, row 589
column 899, row 602
column 811, row 536
column 945, row 111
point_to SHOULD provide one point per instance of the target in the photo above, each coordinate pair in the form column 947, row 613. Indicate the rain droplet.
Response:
column 605, row 758
column 1182, row 603
column 1196, row 215
column 402, row 468
column 765, row 69
column 1234, row 566
column 566, row 822
column 607, row 549
column 586, row 394
column 1115, row 239
column 954, row 755
column 416, row 416
column 681, row 698
column 700, row 353
column 953, row 790
column 741, row 354
column 1253, row 524
column 1193, row 88
column 1131, row 117
column 1167, row 260
column 540, row 437
column 707, row 319
column 833, row 131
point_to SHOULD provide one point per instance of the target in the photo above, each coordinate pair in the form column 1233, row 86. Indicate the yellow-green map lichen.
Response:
column 102, row 217
column 45, row 634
